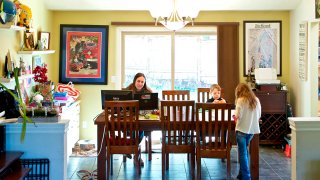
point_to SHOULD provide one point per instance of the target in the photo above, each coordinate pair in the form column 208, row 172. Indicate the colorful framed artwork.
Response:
column 83, row 54
column 44, row 39
column 262, row 45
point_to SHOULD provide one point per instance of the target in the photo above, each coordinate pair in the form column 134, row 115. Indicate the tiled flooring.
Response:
column 274, row 165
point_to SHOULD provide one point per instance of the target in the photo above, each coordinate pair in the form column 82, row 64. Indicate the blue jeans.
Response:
column 243, row 141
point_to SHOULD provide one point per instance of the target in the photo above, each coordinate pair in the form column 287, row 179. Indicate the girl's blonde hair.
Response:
column 245, row 92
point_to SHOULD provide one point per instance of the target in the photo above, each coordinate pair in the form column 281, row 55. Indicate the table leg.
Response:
column 102, row 155
column 148, row 144
column 254, row 157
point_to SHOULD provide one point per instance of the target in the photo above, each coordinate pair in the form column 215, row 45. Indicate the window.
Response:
column 186, row 60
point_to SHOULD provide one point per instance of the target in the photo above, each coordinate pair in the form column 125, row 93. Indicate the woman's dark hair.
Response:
column 140, row 75
column 133, row 87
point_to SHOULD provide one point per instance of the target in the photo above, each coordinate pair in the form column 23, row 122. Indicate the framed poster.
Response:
column 83, row 54
column 262, row 45
column 317, row 9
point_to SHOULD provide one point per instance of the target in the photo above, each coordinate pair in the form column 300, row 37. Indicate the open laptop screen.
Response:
column 147, row 101
column 115, row 95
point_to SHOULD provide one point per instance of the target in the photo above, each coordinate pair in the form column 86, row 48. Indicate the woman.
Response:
column 139, row 85
column 247, row 115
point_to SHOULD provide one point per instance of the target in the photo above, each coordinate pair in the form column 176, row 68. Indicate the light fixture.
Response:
column 174, row 14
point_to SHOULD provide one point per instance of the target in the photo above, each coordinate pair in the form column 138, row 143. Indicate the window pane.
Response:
column 195, row 62
column 151, row 55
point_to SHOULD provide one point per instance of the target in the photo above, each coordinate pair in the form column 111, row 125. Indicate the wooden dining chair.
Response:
column 177, row 124
column 213, row 127
column 122, row 131
column 203, row 94
column 175, row 95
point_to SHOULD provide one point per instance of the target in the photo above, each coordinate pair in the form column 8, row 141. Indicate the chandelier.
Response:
column 174, row 14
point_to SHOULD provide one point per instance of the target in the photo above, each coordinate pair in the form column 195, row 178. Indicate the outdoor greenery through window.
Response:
column 171, row 60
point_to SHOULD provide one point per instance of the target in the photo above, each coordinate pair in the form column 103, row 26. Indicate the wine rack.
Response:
column 274, row 122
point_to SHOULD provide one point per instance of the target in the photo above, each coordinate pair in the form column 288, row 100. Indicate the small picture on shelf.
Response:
column 36, row 61
column 28, row 41
column 44, row 38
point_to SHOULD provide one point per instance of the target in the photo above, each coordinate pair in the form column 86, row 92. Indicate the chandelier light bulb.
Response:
column 174, row 14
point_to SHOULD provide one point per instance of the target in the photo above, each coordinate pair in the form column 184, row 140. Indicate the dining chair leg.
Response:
column 124, row 158
column 228, row 166
column 108, row 165
column 167, row 161
column 111, row 164
column 137, row 160
column 198, row 167
column 163, row 159
column 192, row 165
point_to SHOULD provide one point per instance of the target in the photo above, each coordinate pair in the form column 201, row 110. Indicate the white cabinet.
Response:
column 43, row 140
column 72, row 113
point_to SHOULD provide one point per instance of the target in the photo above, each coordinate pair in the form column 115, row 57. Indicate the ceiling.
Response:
column 204, row 5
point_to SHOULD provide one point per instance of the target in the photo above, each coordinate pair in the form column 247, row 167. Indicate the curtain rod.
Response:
column 188, row 25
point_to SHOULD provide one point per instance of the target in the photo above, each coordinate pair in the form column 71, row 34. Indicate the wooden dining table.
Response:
column 154, row 124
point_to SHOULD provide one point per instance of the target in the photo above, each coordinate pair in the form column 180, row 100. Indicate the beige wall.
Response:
column 45, row 20
column 90, row 96
column 304, row 93
column 12, row 40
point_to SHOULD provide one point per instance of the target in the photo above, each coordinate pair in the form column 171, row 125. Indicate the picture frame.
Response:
column 262, row 46
column 36, row 61
column 44, row 38
column 303, row 50
column 83, row 54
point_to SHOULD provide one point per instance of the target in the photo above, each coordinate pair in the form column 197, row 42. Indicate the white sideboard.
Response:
column 48, row 140
column 72, row 113
column 43, row 140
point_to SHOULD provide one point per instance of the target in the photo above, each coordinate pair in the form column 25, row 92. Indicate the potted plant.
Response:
column 22, row 106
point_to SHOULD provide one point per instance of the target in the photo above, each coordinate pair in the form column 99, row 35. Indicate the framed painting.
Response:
column 262, row 46
column 83, row 54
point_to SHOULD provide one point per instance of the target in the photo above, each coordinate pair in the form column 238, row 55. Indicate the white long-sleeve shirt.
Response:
column 248, row 120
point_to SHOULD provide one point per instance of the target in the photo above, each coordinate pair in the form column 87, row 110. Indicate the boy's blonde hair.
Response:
column 245, row 92
column 214, row 86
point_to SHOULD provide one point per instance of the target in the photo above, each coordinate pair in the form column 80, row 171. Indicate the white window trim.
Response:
column 117, row 78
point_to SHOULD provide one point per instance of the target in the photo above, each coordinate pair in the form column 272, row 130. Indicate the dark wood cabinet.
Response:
column 10, row 166
column 274, row 122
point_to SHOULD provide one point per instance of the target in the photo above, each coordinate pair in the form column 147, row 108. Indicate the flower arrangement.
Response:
column 43, row 88
column 40, row 74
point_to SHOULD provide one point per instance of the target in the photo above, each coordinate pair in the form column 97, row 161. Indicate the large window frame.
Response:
column 212, row 31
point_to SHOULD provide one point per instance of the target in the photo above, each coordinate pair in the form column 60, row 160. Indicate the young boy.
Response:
column 215, row 92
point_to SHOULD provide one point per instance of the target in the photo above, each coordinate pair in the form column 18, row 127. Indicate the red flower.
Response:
column 40, row 74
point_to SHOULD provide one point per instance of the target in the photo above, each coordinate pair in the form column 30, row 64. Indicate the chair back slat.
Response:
column 213, row 125
column 177, row 121
column 203, row 94
column 175, row 95
column 121, row 119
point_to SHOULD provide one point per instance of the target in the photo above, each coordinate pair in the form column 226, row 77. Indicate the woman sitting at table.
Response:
column 139, row 85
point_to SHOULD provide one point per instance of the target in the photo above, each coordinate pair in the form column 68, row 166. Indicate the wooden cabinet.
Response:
column 274, row 122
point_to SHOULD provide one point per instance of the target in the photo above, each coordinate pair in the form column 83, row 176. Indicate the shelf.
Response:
column 10, row 26
column 6, row 80
column 36, row 52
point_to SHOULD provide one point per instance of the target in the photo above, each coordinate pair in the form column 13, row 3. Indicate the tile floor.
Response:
column 274, row 165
